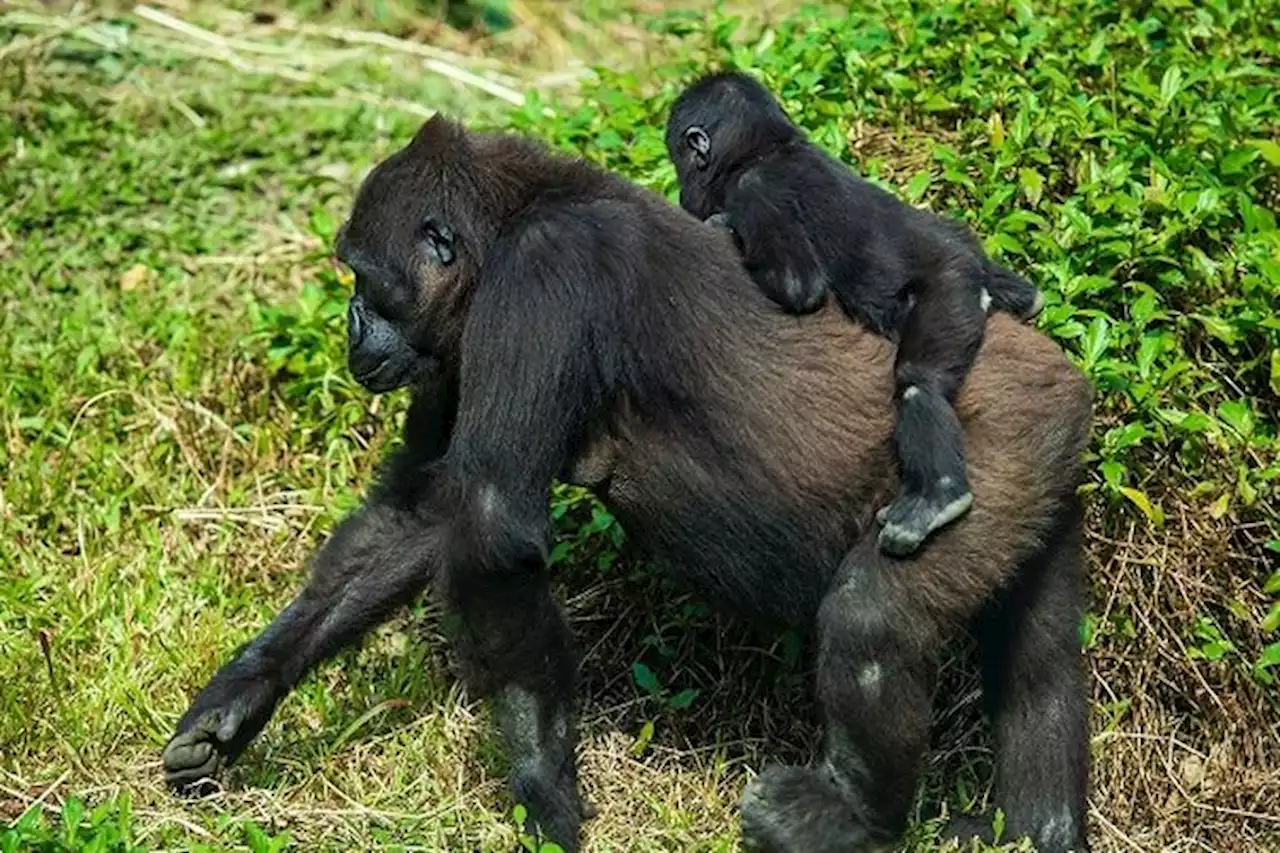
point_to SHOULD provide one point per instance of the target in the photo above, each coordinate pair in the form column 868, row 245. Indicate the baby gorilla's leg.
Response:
column 939, row 341
column 935, row 488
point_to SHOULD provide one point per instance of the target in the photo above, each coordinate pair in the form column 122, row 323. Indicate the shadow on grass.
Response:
column 753, row 706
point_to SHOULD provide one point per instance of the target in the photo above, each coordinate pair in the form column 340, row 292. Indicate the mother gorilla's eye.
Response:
column 439, row 238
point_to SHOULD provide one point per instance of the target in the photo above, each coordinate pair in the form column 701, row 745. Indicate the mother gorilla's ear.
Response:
column 440, row 135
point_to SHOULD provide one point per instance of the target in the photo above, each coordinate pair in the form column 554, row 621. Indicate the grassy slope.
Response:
column 178, row 433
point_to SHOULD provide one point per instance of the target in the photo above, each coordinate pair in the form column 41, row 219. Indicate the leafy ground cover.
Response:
column 179, row 430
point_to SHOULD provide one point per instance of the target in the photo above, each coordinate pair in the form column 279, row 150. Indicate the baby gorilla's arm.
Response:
column 775, row 249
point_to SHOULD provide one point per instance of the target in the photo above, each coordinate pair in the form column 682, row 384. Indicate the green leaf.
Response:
column 1238, row 609
column 1270, row 150
column 1129, row 435
column 1244, row 488
column 1272, row 621
column 1256, row 218
column 642, row 739
column 1143, row 308
column 1170, row 84
column 1032, row 183
column 560, row 552
column 1204, row 266
column 257, row 840
column 1070, row 330
column 608, row 140
column 1270, row 657
column 322, row 225
column 1237, row 415
column 1004, row 242
column 1095, row 340
column 1235, row 162
column 1222, row 329
column 645, row 679
column 1275, row 372
column 1142, row 502
column 1096, row 48
column 995, row 128
column 72, row 814
column 1148, row 351
column 937, row 102
column 683, row 699
column 1112, row 473
column 1272, row 586
column 1214, row 645
column 1187, row 421
column 918, row 185
column 1088, row 630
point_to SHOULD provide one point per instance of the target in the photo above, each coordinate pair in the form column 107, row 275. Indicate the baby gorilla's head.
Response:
column 721, row 122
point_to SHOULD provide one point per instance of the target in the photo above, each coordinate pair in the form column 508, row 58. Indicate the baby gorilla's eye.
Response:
column 699, row 143
column 439, row 239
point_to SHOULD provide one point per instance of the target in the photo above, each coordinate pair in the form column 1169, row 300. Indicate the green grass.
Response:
column 177, row 429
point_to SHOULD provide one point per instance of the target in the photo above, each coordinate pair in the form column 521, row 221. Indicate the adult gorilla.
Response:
column 556, row 320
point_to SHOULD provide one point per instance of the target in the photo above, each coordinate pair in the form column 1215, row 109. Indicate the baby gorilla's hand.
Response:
column 719, row 220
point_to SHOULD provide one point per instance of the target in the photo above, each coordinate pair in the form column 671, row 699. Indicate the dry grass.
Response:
column 1187, row 754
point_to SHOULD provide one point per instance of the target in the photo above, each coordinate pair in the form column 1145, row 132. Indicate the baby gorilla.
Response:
column 804, row 223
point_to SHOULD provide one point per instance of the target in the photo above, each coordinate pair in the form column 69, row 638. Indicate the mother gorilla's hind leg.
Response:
column 881, row 629
column 1035, row 688
column 878, row 637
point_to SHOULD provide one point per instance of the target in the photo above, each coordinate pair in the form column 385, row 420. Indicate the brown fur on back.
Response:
column 804, row 407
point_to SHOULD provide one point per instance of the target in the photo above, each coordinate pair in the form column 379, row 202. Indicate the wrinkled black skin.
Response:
column 805, row 225
column 589, row 290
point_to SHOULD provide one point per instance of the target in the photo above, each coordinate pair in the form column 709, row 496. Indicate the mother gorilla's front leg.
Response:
column 377, row 560
column 512, row 641
column 515, row 650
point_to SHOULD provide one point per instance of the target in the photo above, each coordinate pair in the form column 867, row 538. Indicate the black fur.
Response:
column 575, row 325
column 805, row 224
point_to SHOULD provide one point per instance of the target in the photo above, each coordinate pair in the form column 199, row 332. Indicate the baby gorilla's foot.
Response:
column 1033, row 310
column 912, row 516
column 1013, row 294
